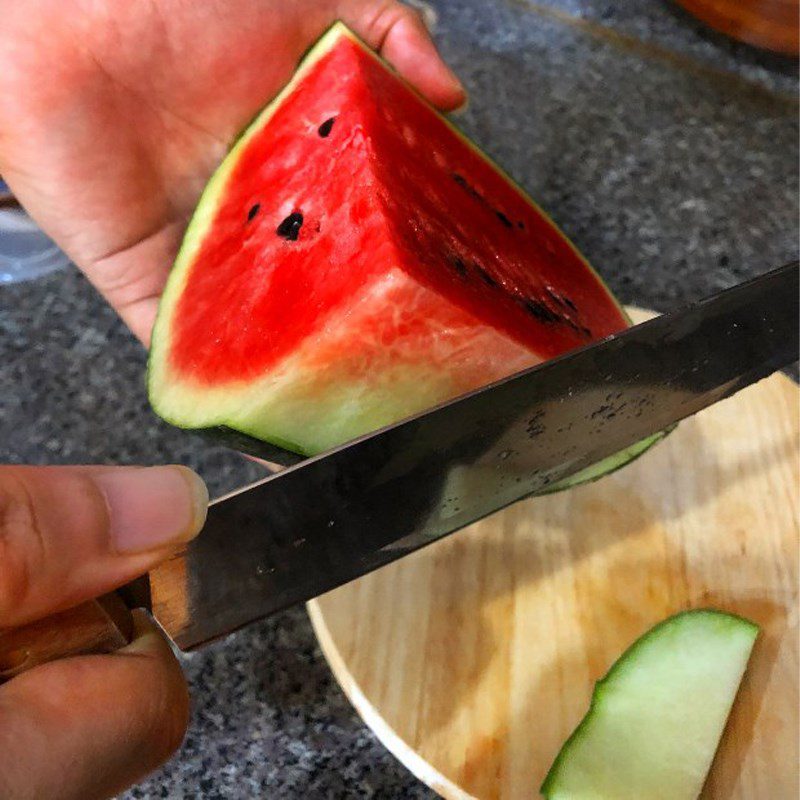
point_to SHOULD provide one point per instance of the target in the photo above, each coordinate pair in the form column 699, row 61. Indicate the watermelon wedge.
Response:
column 355, row 260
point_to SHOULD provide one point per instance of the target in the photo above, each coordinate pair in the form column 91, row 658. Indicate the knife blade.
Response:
column 332, row 518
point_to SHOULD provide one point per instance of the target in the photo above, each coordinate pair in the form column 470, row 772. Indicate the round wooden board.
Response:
column 474, row 658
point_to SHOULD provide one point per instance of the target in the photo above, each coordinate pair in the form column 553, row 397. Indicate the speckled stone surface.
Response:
column 667, row 153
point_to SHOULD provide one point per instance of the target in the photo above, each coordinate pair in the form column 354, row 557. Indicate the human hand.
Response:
column 114, row 115
column 87, row 726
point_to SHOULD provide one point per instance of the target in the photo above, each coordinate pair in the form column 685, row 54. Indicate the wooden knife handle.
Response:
column 99, row 626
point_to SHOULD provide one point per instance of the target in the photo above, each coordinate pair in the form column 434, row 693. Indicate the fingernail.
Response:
column 152, row 507
column 427, row 12
column 463, row 106
column 457, row 88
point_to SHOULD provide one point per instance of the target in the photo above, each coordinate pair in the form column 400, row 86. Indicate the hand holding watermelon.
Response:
column 114, row 115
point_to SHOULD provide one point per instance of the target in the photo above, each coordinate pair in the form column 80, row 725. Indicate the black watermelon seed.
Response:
column 504, row 219
column 459, row 265
column 540, row 311
column 560, row 299
column 484, row 275
column 253, row 211
column 464, row 184
column 290, row 227
column 325, row 129
column 586, row 332
column 521, row 225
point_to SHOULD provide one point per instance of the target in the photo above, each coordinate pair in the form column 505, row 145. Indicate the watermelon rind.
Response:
column 622, row 762
column 244, row 434
column 608, row 465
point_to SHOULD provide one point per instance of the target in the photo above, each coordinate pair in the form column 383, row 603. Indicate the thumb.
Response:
column 68, row 534
column 398, row 33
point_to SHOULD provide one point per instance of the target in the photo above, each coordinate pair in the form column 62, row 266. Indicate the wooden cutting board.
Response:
column 771, row 24
column 474, row 658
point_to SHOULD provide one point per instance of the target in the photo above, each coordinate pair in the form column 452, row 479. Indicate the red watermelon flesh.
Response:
column 356, row 260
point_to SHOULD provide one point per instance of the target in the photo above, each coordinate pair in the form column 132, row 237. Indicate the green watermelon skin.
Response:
column 355, row 261
column 656, row 718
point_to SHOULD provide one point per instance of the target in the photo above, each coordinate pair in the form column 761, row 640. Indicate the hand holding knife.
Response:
column 332, row 518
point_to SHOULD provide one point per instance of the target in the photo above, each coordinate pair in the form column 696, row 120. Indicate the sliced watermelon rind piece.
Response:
column 185, row 399
column 608, row 465
column 713, row 623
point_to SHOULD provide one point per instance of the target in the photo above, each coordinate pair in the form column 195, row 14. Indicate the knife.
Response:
column 331, row 518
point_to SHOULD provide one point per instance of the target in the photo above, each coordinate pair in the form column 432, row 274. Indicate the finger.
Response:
column 132, row 279
column 140, row 316
column 68, row 534
column 399, row 34
column 85, row 728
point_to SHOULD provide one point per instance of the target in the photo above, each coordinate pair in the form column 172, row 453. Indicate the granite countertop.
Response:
column 668, row 154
